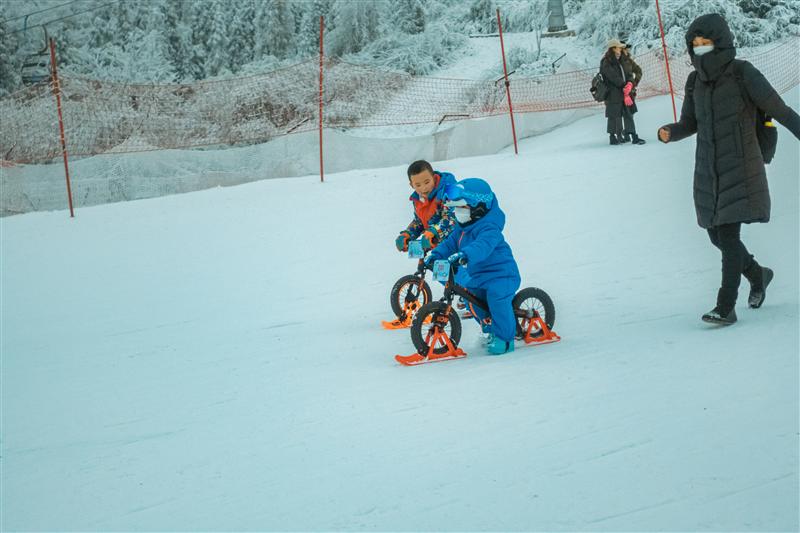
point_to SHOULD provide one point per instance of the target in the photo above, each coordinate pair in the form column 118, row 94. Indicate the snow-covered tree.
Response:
column 355, row 26
column 9, row 73
column 409, row 16
column 274, row 28
column 242, row 35
column 178, row 36
column 216, row 59
column 483, row 16
column 308, row 35
column 200, row 18
column 195, row 39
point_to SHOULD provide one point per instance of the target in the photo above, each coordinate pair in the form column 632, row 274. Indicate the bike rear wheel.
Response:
column 529, row 303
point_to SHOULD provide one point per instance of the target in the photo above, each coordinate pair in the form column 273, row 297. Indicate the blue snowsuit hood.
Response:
column 488, row 254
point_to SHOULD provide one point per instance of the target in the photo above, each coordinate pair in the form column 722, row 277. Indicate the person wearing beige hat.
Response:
column 620, row 80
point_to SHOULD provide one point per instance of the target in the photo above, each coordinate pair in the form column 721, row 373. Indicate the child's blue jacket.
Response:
column 489, row 256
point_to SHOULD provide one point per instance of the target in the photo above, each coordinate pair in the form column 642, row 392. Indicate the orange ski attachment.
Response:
column 435, row 338
column 402, row 323
column 547, row 335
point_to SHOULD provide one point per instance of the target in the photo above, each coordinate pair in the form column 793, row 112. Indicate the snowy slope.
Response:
column 214, row 360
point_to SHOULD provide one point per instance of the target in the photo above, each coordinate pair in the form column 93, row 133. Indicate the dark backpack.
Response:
column 766, row 132
column 599, row 89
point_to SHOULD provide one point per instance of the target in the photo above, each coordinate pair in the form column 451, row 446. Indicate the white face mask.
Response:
column 703, row 50
column 462, row 214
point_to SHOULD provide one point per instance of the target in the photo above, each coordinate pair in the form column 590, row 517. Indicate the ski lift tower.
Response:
column 557, row 26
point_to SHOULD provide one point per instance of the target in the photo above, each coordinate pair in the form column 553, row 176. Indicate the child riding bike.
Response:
column 477, row 244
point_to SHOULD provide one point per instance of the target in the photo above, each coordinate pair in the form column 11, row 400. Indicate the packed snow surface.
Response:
column 215, row 360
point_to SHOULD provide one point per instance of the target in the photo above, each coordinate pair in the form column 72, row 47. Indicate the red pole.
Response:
column 666, row 62
column 508, row 88
column 57, row 91
column 321, row 55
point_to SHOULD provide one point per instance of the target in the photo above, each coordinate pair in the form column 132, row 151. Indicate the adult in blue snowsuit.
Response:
column 477, row 244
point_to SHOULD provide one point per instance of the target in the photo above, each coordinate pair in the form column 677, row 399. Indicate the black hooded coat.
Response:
column 616, row 73
column 722, row 97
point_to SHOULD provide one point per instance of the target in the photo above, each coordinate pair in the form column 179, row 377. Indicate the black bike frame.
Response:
column 452, row 289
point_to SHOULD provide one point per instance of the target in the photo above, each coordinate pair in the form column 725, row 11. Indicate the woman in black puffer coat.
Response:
column 620, row 79
column 730, row 182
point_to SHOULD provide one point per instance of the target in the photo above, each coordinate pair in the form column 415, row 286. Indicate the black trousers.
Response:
column 629, row 126
column 735, row 259
column 622, row 125
column 614, row 125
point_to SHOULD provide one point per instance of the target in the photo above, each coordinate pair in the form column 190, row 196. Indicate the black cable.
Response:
column 40, row 11
column 66, row 17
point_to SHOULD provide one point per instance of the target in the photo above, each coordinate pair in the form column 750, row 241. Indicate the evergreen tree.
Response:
column 241, row 46
column 123, row 17
column 200, row 19
column 308, row 35
column 356, row 25
column 410, row 16
column 216, row 60
column 274, row 33
column 178, row 36
column 483, row 15
column 9, row 73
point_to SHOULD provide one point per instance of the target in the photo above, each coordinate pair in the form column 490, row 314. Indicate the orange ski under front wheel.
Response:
column 432, row 319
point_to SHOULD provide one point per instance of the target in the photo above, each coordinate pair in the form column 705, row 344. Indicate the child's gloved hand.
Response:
column 427, row 240
column 459, row 258
column 402, row 241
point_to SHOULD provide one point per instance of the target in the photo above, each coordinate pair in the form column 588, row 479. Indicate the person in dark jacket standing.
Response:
column 619, row 101
column 629, row 65
column 730, row 182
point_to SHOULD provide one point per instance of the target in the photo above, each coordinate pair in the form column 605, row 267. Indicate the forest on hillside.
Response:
column 179, row 41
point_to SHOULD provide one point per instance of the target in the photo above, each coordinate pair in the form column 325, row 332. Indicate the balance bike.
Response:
column 436, row 326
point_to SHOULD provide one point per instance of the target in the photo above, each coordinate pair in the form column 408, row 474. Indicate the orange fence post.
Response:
column 508, row 87
column 666, row 62
column 321, row 55
column 57, row 92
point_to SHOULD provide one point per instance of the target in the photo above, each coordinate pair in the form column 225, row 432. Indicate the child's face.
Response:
column 423, row 183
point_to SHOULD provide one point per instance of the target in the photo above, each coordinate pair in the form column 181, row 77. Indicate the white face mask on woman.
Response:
column 703, row 50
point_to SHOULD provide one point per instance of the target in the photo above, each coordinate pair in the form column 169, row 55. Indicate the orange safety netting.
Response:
column 110, row 117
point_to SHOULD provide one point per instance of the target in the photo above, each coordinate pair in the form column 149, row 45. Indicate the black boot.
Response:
column 759, row 277
column 624, row 138
column 637, row 140
column 613, row 139
column 724, row 313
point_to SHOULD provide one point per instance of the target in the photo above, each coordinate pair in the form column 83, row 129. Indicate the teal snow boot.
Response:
column 499, row 346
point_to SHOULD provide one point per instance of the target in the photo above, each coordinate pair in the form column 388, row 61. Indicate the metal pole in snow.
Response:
column 321, row 55
column 508, row 88
column 666, row 62
column 57, row 92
